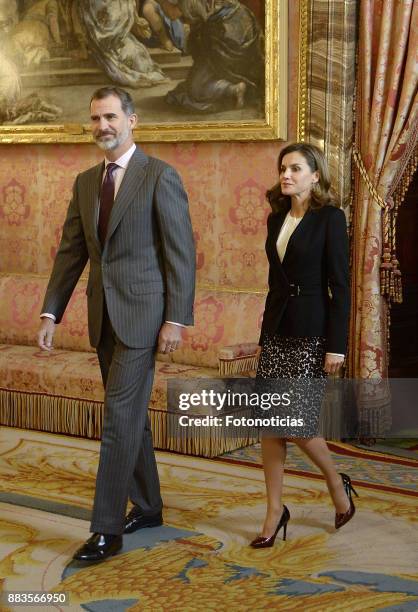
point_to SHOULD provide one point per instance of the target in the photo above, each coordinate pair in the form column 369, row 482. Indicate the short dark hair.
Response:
column 126, row 101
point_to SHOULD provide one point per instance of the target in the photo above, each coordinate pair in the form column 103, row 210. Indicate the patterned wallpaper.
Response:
column 226, row 183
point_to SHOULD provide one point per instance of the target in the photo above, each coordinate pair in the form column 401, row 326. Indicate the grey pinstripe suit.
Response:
column 143, row 276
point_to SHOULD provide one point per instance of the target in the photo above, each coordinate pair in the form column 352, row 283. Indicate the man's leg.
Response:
column 146, row 497
column 128, row 389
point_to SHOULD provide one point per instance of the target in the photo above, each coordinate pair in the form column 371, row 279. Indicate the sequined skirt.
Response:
column 300, row 360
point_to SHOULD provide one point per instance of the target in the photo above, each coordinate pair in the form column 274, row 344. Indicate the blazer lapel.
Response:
column 273, row 235
column 93, row 191
column 305, row 219
column 274, row 258
column 134, row 176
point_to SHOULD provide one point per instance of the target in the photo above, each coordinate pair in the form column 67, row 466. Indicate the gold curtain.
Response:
column 386, row 156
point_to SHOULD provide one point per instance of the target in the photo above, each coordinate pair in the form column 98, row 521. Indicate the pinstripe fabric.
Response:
column 144, row 275
column 127, row 463
column 146, row 271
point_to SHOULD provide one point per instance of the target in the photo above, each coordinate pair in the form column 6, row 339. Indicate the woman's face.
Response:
column 296, row 177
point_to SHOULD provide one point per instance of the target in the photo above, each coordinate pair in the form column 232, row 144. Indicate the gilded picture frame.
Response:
column 271, row 124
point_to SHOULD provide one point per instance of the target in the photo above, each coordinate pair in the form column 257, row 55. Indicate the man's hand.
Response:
column 46, row 334
column 333, row 363
column 169, row 338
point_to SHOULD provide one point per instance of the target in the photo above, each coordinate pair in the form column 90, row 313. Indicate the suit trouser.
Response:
column 127, row 466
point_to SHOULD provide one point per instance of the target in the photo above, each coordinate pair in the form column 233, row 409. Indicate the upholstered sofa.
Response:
column 61, row 391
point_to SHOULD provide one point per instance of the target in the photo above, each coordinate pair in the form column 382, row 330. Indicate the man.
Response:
column 129, row 217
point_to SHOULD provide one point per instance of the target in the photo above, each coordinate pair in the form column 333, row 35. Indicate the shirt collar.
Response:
column 123, row 160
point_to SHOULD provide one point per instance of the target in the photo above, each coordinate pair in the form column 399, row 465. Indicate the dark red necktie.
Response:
column 107, row 196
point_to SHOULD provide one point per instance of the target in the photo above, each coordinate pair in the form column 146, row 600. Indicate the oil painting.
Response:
column 196, row 69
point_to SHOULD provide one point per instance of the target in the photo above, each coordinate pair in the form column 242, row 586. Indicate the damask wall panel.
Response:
column 19, row 209
column 58, row 167
column 247, row 171
column 198, row 166
column 226, row 185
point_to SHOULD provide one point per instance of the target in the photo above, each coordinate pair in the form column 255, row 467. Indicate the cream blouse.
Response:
column 289, row 225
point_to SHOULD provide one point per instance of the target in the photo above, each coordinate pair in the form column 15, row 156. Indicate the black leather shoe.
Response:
column 136, row 520
column 99, row 547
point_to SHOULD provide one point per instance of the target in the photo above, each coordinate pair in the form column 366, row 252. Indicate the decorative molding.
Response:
column 303, row 68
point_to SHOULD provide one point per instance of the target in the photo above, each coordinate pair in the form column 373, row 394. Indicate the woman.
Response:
column 304, row 330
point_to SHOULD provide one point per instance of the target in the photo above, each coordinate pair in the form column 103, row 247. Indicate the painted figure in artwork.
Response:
column 227, row 46
column 36, row 32
column 9, row 76
column 9, row 85
column 108, row 25
column 166, row 32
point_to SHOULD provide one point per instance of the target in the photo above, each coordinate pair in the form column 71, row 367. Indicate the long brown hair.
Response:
column 322, row 195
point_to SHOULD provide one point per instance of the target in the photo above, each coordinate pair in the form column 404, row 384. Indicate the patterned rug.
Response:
column 377, row 469
column 401, row 447
column 200, row 559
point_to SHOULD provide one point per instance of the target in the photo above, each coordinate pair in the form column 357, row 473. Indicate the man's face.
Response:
column 110, row 126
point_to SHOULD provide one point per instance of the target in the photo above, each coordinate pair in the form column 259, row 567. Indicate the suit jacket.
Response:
column 315, row 263
column 146, row 269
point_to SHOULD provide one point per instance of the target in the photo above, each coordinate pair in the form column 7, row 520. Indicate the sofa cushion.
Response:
column 21, row 300
column 62, row 392
column 221, row 318
column 76, row 375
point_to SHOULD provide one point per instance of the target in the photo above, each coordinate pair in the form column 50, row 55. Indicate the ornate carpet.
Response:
column 200, row 559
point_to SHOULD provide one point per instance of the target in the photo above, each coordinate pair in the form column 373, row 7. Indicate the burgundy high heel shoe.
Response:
column 341, row 518
column 260, row 542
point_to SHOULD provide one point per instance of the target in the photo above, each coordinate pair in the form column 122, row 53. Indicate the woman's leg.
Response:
column 274, row 456
column 318, row 451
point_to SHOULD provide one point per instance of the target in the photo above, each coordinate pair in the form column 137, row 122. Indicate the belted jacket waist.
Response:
column 298, row 289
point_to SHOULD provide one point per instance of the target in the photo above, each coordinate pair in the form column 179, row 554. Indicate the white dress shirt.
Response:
column 289, row 225
column 118, row 175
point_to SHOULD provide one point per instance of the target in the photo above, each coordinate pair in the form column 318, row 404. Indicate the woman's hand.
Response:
column 333, row 363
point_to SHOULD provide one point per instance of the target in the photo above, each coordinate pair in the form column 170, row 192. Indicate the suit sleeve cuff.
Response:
column 174, row 323
column 48, row 315
column 336, row 354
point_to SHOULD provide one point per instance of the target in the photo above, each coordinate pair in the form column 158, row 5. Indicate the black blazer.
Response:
column 299, row 303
